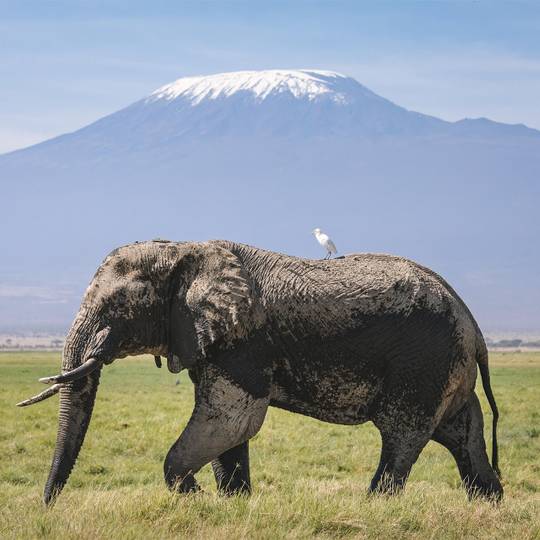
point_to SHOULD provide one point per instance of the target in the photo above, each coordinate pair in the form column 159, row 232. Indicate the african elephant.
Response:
column 364, row 337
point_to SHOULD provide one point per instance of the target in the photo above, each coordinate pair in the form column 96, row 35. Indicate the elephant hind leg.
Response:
column 231, row 470
column 463, row 436
column 399, row 452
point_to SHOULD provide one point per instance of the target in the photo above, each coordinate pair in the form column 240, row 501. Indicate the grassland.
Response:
column 309, row 478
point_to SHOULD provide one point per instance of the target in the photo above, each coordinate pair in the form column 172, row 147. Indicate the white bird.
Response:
column 325, row 242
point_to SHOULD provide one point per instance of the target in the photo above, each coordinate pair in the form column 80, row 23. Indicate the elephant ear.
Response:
column 221, row 300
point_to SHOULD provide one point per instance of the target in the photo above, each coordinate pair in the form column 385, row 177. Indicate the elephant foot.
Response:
column 478, row 488
column 387, row 484
column 231, row 488
column 182, row 483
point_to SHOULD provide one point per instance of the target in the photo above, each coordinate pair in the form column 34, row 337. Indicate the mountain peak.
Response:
column 279, row 103
column 307, row 84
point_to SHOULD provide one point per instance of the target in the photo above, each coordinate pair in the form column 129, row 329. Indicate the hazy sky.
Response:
column 65, row 63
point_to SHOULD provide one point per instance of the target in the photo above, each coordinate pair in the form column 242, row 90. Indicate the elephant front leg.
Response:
column 224, row 417
column 231, row 470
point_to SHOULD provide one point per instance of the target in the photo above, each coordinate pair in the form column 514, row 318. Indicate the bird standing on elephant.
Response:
column 325, row 242
column 365, row 337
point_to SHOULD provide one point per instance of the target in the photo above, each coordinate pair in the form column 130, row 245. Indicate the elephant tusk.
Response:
column 41, row 396
column 82, row 371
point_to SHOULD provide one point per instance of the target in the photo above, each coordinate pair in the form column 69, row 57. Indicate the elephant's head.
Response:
column 174, row 299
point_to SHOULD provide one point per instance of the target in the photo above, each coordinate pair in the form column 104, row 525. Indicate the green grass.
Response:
column 309, row 478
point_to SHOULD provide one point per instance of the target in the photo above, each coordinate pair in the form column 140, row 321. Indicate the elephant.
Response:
column 358, row 338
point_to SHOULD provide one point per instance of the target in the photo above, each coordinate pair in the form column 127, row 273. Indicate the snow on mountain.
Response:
column 309, row 84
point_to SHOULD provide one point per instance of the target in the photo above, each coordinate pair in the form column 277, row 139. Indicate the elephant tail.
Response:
column 482, row 359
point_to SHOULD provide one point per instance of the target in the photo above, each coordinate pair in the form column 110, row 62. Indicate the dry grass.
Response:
column 310, row 478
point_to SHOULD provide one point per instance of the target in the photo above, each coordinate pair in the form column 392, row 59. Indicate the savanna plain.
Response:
column 309, row 478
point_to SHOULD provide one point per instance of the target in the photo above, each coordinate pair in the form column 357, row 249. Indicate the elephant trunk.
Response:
column 76, row 404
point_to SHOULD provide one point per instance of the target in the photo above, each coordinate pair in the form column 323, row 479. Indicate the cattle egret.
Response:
column 325, row 242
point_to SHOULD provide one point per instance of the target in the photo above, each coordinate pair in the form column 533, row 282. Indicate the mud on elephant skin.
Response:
column 361, row 338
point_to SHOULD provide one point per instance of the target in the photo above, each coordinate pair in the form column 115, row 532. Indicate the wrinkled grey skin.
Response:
column 359, row 338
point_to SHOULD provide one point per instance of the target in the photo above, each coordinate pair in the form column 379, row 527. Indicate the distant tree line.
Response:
column 512, row 343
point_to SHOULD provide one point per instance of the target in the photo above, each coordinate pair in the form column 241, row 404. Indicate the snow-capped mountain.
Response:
column 263, row 157
column 279, row 103
column 273, row 103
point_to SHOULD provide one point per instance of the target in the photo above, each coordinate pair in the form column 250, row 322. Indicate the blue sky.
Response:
column 63, row 64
